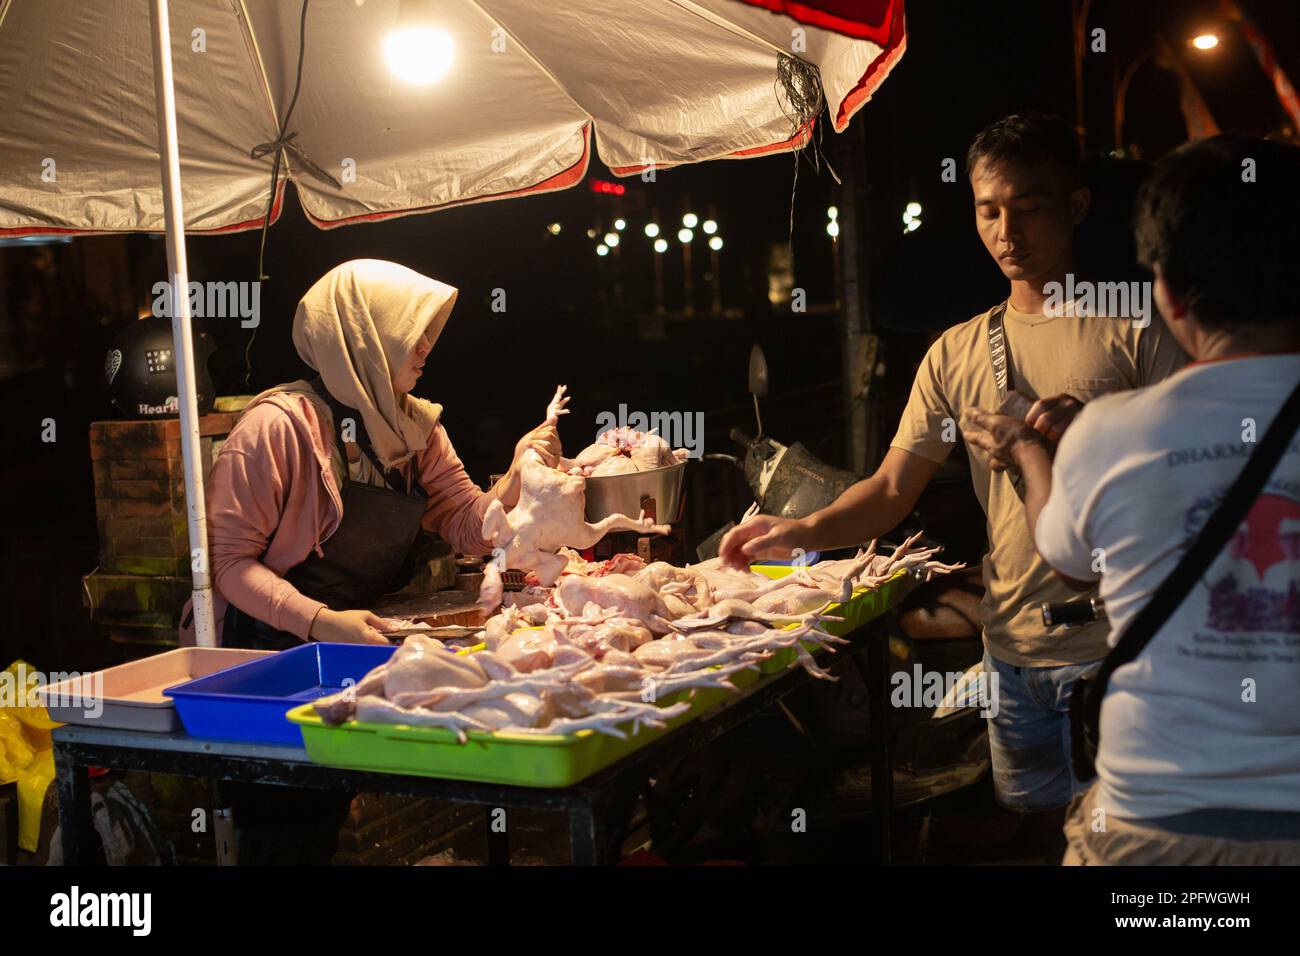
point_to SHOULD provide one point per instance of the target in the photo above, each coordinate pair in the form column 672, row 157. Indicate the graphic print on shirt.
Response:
column 1259, row 592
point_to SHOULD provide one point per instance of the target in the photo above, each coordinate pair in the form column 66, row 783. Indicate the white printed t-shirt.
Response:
column 1208, row 716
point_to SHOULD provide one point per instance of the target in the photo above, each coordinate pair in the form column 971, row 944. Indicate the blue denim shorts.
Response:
column 1029, row 734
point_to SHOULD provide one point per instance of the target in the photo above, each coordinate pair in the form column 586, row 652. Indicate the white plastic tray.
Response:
column 130, row 696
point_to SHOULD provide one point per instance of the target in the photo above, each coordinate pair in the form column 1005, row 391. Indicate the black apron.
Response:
column 361, row 560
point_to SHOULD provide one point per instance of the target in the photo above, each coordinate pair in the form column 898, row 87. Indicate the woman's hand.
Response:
column 347, row 627
column 545, row 441
column 762, row 536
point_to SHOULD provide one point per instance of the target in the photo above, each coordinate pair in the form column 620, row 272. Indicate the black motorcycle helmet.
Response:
column 141, row 370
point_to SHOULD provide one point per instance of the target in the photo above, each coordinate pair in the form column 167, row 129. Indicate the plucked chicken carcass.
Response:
column 550, row 516
column 621, row 451
column 610, row 644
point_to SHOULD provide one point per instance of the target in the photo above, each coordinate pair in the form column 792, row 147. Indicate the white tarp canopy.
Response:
column 147, row 115
column 532, row 86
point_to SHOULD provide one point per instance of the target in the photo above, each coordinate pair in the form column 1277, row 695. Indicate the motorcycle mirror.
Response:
column 757, row 372
column 758, row 381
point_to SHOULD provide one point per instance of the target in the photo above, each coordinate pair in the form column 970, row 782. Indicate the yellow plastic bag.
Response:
column 26, row 755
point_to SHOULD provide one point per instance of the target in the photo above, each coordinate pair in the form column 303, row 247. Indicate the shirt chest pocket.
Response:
column 1088, row 388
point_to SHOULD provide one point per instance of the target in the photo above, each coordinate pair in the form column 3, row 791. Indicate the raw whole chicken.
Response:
column 610, row 644
column 550, row 515
column 622, row 451
column 420, row 663
column 628, row 597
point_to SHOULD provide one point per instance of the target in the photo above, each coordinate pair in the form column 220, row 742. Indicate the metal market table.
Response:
column 586, row 804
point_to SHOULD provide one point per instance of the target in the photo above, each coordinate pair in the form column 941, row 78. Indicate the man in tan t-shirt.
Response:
column 1024, row 173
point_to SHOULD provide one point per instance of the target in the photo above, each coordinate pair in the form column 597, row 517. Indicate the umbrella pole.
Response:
column 182, row 334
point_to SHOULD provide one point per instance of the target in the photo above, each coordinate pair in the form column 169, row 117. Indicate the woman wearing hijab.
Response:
column 321, row 488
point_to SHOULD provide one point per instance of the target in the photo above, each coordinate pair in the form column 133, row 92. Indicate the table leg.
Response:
column 498, row 840
column 76, row 830
column 882, row 746
column 586, row 842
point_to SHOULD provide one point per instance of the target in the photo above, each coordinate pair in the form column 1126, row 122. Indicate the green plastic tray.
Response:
column 527, row 760
column 864, row 606
column 533, row 760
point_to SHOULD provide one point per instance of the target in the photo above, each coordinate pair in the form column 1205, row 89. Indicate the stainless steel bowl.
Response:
column 657, row 492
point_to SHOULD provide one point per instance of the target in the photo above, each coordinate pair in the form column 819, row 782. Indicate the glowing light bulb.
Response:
column 419, row 55
column 709, row 227
column 715, row 243
column 602, row 250
column 685, row 235
column 690, row 221
column 1206, row 41
column 651, row 229
column 661, row 245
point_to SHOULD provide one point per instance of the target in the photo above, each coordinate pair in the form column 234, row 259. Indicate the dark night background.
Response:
column 587, row 321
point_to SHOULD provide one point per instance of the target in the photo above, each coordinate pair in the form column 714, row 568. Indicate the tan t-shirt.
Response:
column 1085, row 356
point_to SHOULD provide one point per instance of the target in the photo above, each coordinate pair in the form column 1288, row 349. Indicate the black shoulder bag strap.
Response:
column 1085, row 701
column 998, row 351
column 999, row 356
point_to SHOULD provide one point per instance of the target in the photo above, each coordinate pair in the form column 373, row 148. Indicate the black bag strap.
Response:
column 1209, row 543
column 999, row 357
column 998, row 351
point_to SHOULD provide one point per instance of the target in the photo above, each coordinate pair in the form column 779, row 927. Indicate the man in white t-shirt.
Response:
column 1199, row 760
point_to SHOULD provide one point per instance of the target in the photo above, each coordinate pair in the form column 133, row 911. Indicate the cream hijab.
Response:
column 360, row 321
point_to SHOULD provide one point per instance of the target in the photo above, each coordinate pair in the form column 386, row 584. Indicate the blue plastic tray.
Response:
column 248, row 702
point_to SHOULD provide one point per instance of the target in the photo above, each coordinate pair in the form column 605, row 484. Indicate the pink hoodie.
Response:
column 273, row 499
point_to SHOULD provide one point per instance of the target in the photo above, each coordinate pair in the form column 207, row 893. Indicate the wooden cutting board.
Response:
column 437, row 609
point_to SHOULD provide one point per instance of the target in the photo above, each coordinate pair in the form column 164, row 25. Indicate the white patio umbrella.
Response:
column 401, row 107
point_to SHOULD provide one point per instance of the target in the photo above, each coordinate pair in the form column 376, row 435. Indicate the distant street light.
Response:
column 660, row 247
column 715, row 243
column 685, row 236
column 611, row 239
column 912, row 217
column 1205, row 41
column 833, row 229
column 690, row 220
column 602, row 250
column 651, row 229
column 710, row 227
column 553, row 228
column 620, row 224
